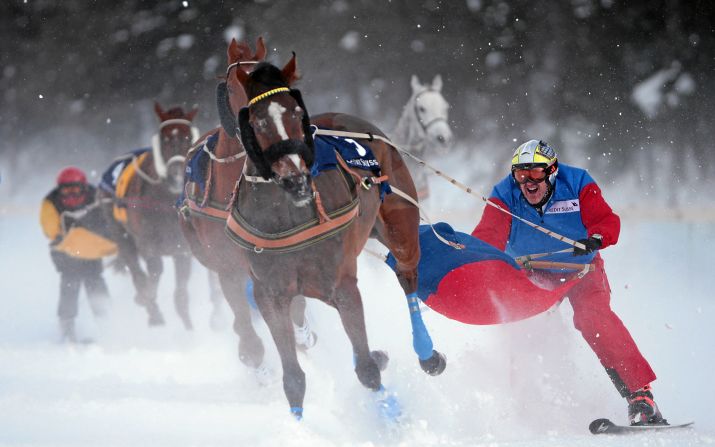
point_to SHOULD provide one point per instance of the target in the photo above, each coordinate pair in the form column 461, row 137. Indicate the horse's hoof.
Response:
column 156, row 320
column 434, row 365
column 369, row 374
column 381, row 358
column 388, row 406
column 217, row 321
column 297, row 413
column 251, row 351
column 307, row 344
column 304, row 337
column 155, row 316
column 264, row 375
column 188, row 325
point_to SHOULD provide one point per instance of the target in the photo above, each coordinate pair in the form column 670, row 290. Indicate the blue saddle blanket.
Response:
column 108, row 181
column 196, row 167
column 437, row 259
column 355, row 155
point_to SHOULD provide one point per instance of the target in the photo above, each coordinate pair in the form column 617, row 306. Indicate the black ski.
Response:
column 605, row 426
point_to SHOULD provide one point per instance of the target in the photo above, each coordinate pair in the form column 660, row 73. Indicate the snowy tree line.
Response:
column 611, row 77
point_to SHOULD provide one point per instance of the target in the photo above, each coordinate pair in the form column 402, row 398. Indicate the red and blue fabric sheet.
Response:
column 479, row 284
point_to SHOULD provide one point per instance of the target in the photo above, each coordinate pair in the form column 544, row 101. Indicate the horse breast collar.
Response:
column 323, row 226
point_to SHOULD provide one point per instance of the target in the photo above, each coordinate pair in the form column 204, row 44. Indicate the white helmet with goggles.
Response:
column 534, row 161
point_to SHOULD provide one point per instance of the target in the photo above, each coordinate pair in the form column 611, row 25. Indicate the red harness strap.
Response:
column 292, row 241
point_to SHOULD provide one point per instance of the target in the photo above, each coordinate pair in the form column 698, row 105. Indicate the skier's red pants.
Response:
column 601, row 328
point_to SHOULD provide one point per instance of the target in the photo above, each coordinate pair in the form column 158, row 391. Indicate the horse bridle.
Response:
column 227, row 117
column 426, row 126
column 248, row 138
column 236, row 64
column 161, row 165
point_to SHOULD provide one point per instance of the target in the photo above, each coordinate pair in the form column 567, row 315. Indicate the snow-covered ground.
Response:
column 531, row 383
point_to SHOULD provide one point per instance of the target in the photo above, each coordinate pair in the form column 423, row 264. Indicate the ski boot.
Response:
column 642, row 410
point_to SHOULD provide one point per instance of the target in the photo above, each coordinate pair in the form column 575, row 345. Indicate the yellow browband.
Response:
column 267, row 94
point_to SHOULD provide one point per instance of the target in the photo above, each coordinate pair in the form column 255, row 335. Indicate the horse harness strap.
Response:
column 207, row 211
column 140, row 172
column 297, row 238
column 324, row 226
column 365, row 181
column 206, row 208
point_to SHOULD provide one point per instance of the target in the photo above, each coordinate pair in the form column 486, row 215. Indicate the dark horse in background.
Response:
column 204, row 212
column 144, row 187
column 303, row 233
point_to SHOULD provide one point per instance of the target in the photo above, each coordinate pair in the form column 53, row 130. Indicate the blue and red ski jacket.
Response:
column 576, row 209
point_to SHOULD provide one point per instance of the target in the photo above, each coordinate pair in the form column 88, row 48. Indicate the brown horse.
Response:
column 204, row 214
column 303, row 233
column 144, row 187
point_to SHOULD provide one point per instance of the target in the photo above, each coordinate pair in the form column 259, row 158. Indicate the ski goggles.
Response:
column 71, row 190
column 534, row 175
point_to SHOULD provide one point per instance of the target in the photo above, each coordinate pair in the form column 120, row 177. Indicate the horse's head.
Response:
column 230, row 96
column 275, row 129
column 169, row 146
column 431, row 112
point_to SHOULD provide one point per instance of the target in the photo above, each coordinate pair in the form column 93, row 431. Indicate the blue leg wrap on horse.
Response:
column 250, row 297
column 297, row 412
column 388, row 405
column 421, row 340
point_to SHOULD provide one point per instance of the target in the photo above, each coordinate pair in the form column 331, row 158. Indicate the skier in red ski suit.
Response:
column 566, row 200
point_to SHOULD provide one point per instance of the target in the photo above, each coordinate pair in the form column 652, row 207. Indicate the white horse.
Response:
column 423, row 128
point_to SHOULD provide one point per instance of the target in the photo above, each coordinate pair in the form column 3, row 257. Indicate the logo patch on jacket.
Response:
column 564, row 206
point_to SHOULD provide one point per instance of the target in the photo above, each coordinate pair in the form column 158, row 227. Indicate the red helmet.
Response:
column 71, row 175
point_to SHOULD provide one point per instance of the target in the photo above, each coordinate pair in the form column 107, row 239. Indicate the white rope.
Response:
column 426, row 218
column 229, row 159
column 143, row 174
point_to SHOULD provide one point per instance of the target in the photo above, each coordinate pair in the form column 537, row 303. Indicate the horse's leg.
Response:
column 250, row 346
column 349, row 305
column 305, row 338
column 154, row 267
column 182, row 267
column 398, row 229
column 276, row 313
column 190, row 233
column 130, row 257
column 216, row 321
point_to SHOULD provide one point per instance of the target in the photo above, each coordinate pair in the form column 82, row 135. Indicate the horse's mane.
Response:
column 408, row 128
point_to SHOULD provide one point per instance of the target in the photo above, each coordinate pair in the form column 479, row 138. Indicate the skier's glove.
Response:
column 592, row 244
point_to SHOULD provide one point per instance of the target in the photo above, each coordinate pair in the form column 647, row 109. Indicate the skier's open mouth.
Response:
column 531, row 188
